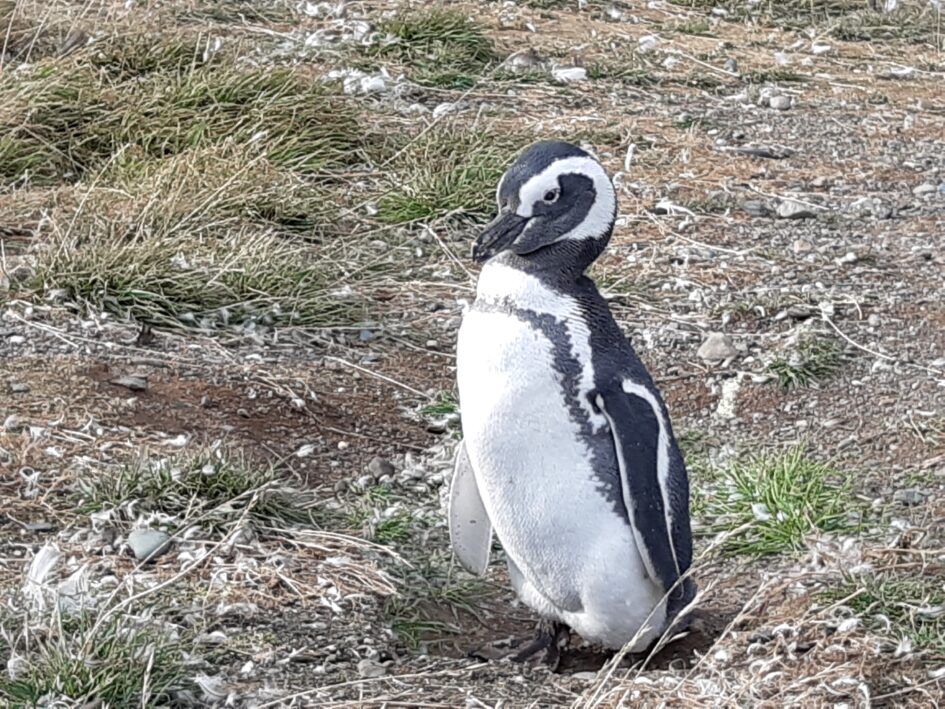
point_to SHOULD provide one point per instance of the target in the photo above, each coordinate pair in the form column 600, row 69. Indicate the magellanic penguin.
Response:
column 568, row 451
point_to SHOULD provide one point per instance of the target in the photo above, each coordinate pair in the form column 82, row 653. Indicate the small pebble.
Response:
column 369, row 669
column 380, row 467
column 716, row 348
column 132, row 382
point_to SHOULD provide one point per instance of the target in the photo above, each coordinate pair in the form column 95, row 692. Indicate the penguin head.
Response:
column 556, row 209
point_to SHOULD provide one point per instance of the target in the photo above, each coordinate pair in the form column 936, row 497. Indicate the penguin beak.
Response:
column 498, row 235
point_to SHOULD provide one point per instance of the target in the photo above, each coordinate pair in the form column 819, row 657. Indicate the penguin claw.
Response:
column 544, row 648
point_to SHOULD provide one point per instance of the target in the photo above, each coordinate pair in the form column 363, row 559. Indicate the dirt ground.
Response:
column 781, row 180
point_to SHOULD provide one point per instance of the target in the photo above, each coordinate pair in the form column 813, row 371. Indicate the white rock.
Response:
column 780, row 103
column 145, row 542
column 373, row 84
column 716, row 348
column 305, row 451
column 647, row 43
column 818, row 48
column 791, row 209
column 443, row 108
column 569, row 74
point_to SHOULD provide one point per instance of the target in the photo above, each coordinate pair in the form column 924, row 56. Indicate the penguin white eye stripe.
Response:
column 601, row 213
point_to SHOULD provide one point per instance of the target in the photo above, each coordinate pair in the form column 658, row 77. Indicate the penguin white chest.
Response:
column 524, row 373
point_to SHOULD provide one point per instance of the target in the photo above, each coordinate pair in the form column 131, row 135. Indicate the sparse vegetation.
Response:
column 770, row 503
column 212, row 489
column 286, row 192
column 903, row 607
column 814, row 360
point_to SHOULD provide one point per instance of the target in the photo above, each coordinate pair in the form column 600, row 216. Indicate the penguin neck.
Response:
column 560, row 265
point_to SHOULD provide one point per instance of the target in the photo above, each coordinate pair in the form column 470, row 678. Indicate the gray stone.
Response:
column 379, row 467
column 802, row 246
column 131, row 381
column 799, row 311
column 145, row 542
column 757, row 208
column 716, row 348
column 40, row 527
column 790, row 209
column 369, row 669
column 780, row 103
column 12, row 423
column 19, row 388
column 910, row 496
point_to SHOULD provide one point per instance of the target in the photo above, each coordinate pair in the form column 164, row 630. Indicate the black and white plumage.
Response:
column 568, row 452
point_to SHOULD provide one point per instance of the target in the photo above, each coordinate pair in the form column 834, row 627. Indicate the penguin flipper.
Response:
column 470, row 526
column 641, row 441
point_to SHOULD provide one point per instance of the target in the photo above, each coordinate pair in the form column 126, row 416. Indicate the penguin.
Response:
column 568, row 454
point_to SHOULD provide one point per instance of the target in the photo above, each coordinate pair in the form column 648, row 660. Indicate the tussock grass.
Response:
column 135, row 56
column 124, row 662
column 424, row 614
column 299, row 124
column 60, row 120
column 54, row 123
column 439, row 47
column 814, row 360
column 217, row 489
column 904, row 607
column 191, row 242
column 773, row 501
column 449, row 170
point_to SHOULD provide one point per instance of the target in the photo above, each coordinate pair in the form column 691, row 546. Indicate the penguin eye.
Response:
column 551, row 196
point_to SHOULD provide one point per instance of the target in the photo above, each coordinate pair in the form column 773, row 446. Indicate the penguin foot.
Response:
column 544, row 648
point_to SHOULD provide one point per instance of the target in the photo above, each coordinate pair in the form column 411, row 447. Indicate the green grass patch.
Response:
column 909, row 607
column 191, row 242
column 209, row 488
column 125, row 661
column 770, row 503
column 627, row 73
column 61, row 120
column 428, row 607
column 439, row 47
column 449, row 170
column 698, row 28
column 773, row 76
column 815, row 360
column 122, row 58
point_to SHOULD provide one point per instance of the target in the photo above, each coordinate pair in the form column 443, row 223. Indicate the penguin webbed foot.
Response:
column 544, row 648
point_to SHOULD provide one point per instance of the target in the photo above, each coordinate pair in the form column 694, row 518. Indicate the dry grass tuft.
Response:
column 61, row 121
column 190, row 241
column 438, row 47
column 209, row 488
column 447, row 170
